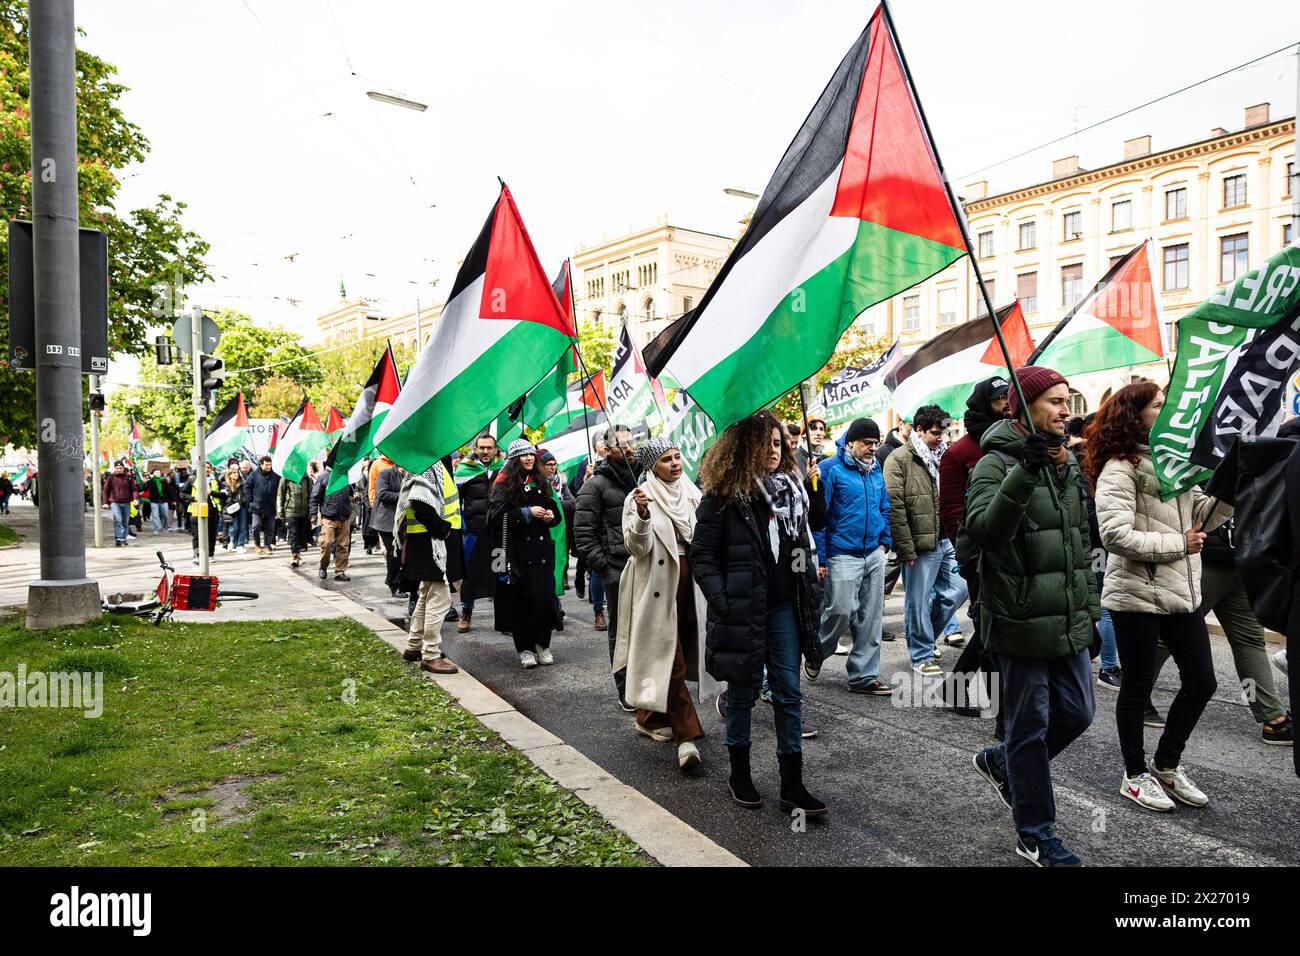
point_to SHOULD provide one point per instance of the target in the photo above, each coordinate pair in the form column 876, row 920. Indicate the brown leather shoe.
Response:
column 439, row 666
column 601, row 623
column 463, row 624
column 411, row 655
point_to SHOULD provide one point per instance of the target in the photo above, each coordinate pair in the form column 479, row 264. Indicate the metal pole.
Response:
column 200, row 490
column 96, row 490
column 1295, row 167
column 63, row 594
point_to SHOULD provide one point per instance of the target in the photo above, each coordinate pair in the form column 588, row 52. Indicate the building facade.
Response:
column 647, row 278
column 1214, row 209
column 356, row 318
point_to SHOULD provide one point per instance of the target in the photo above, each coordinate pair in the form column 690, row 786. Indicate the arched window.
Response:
column 1105, row 396
column 622, row 314
column 595, row 316
column 650, row 314
column 1078, row 404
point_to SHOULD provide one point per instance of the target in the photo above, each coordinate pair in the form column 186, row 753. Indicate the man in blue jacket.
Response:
column 857, row 538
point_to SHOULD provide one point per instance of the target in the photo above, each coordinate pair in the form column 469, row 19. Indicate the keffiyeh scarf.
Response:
column 787, row 503
column 426, row 488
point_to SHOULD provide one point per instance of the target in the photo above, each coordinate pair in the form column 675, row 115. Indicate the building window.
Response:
column 1176, row 269
column 1289, row 185
column 1071, row 284
column 687, row 304
column 1115, row 260
column 1286, row 234
column 595, row 316
column 1078, row 404
column 1234, row 190
column 986, row 244
column 911, row 313
column 992, row 286
column 1121, row 215
column 1028, row 235
column 650, row 313
column 1027, row 291
column 1072, row 226
column 622, row 315
column 947, row 306
column 1233, row 255
column 1176, row 203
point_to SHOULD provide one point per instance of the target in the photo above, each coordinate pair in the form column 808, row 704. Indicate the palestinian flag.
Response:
column 572, row 445
column 944, row 370
column 228, row 432
column 582, row 398
column 334, row 424
column 547, row 398
column 301, row 441
column 632, row 395
column 856, row 212
column 501, row 331
column 1116, row 325
column 356, row 438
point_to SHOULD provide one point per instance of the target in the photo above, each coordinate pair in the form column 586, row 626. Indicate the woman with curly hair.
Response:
column 1152, row 590
column 522, row 508
column 752, row 557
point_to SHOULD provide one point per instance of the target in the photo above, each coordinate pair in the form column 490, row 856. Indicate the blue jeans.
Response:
column 597, row 593
column 121, row 519
column 782, row 658
column 1109, row 651
column 1046, row 705
column 925, row 614
column 237, row 528
column 857, row 601
column 159, row 518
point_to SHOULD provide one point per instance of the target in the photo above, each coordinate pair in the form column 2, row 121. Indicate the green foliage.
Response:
column 146, row 246
column 855, row 349
column 598, row 345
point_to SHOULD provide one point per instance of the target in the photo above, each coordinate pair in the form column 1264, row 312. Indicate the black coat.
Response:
column 262, row 488
column 598, row 519
column 887, row 447
column 731, row 561
column 417, row 549
column 335, row 507
column 474, row 496
column 527, row 599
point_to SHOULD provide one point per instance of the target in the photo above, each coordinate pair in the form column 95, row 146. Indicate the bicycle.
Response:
column 175, row 592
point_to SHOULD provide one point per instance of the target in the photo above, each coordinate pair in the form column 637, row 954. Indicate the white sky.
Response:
column 602, row 115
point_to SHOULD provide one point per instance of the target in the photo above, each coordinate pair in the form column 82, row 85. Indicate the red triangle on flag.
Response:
column 310, row 421
column 1128, row 302
column 514, row 285
column 390, row 386
column 890, row 175
column 241, row 413
column 593, row 393
column 1015, row 330
column 335, row 422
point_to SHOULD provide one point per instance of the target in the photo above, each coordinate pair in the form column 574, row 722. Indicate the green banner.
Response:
column 1207, row 339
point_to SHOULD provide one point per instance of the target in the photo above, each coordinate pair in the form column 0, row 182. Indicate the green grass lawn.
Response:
column 272, row 744
column 7, row 535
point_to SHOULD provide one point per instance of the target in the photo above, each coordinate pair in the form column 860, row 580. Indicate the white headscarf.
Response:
column 678, row 499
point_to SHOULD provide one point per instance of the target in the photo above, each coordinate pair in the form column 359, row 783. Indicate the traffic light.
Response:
column 163, row 345
column 212, row 375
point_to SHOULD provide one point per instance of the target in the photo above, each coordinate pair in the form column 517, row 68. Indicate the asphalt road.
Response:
column 898, row 779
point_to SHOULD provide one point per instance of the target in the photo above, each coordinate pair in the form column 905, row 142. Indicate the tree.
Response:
column 147, row 247
column 597, row 343
column 345, row 368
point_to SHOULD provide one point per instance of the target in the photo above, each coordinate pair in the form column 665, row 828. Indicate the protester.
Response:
column 561, row 534
column 262, row 488
column 581, row 572
column 335, row 514
column 748, row 556
column 159, row 514
column 474, row 478
column 1038, row 603
column 857, row 537
column 1109, row 674
column 810, row 447
column 598, row 530
column 932, row 588
column 986, row 406
column 1152, row 591
column 522, row 505
column 172, row 494
column 295, row 507
column 658, row 640
column 898, row 437
column 7, row 489
column 118, row 493
column 313, row 471
column 388, row 481
column 204, row 498
column 428, row 506
column 233, row 509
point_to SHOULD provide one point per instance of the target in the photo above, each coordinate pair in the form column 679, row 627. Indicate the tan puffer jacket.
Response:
column 1149, row 569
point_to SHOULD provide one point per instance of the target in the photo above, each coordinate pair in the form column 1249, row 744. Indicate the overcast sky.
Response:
column 602, row 115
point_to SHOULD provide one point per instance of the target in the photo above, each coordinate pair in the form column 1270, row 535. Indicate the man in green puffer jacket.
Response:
column 1025, row 508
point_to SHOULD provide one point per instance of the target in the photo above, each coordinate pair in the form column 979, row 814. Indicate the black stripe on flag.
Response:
column 475, row 263
column 956, row 340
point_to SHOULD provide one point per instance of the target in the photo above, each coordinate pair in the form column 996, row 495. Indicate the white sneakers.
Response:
column 1178, row 785
column 661, row 734
column 688, row 755
column 928, row 669
column 1146, row 792
column 545, row 657
column 844, row 646
column 527, row 659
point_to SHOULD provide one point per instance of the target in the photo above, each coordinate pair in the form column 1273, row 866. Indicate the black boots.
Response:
column 793, row 794
column 741, row 784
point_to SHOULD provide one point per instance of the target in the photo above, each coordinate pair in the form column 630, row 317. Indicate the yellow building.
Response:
column 359, row 319
column 1215, row 208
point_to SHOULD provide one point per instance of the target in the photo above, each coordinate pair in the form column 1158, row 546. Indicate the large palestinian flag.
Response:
column 228, row 431
column 547, row 398
column 300, row 441
column 944, row 370
column 856, row 212
column 632, row 396
column 501, row 331
column 573, row 444
column 357, row 437
column 1115, row 325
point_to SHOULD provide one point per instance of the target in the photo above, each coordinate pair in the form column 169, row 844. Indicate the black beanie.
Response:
column 862, row 429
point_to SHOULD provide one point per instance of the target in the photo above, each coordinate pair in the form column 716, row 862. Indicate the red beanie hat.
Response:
column 1034, row 380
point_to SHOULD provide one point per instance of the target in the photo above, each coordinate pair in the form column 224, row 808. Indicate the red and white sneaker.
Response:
column 1178, row 785
column 1146, row 792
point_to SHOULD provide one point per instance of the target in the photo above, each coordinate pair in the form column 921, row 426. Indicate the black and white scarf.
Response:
column 787, row 503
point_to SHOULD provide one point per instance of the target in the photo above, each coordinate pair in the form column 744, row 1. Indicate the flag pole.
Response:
column 807, row 432
column 960, row 215
column 577, row 350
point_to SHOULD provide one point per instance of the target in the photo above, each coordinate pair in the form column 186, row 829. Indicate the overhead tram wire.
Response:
column 1132, row 109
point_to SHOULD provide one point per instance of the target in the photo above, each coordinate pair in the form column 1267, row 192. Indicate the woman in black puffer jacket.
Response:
column 752, row 558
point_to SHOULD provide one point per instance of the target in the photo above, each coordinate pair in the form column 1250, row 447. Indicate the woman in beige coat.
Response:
column 1152, row 590
column 660, row 608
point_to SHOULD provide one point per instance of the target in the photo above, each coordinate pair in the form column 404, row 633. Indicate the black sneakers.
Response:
column 1045, row 852
column 985, row 770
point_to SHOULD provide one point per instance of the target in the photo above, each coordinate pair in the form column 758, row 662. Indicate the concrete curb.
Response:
column 669, row 840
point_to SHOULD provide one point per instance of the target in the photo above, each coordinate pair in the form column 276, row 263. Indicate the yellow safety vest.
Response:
column 199, row 509
column 450, row 507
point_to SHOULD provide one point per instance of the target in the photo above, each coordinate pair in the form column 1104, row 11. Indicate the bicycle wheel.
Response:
column 236, row 596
